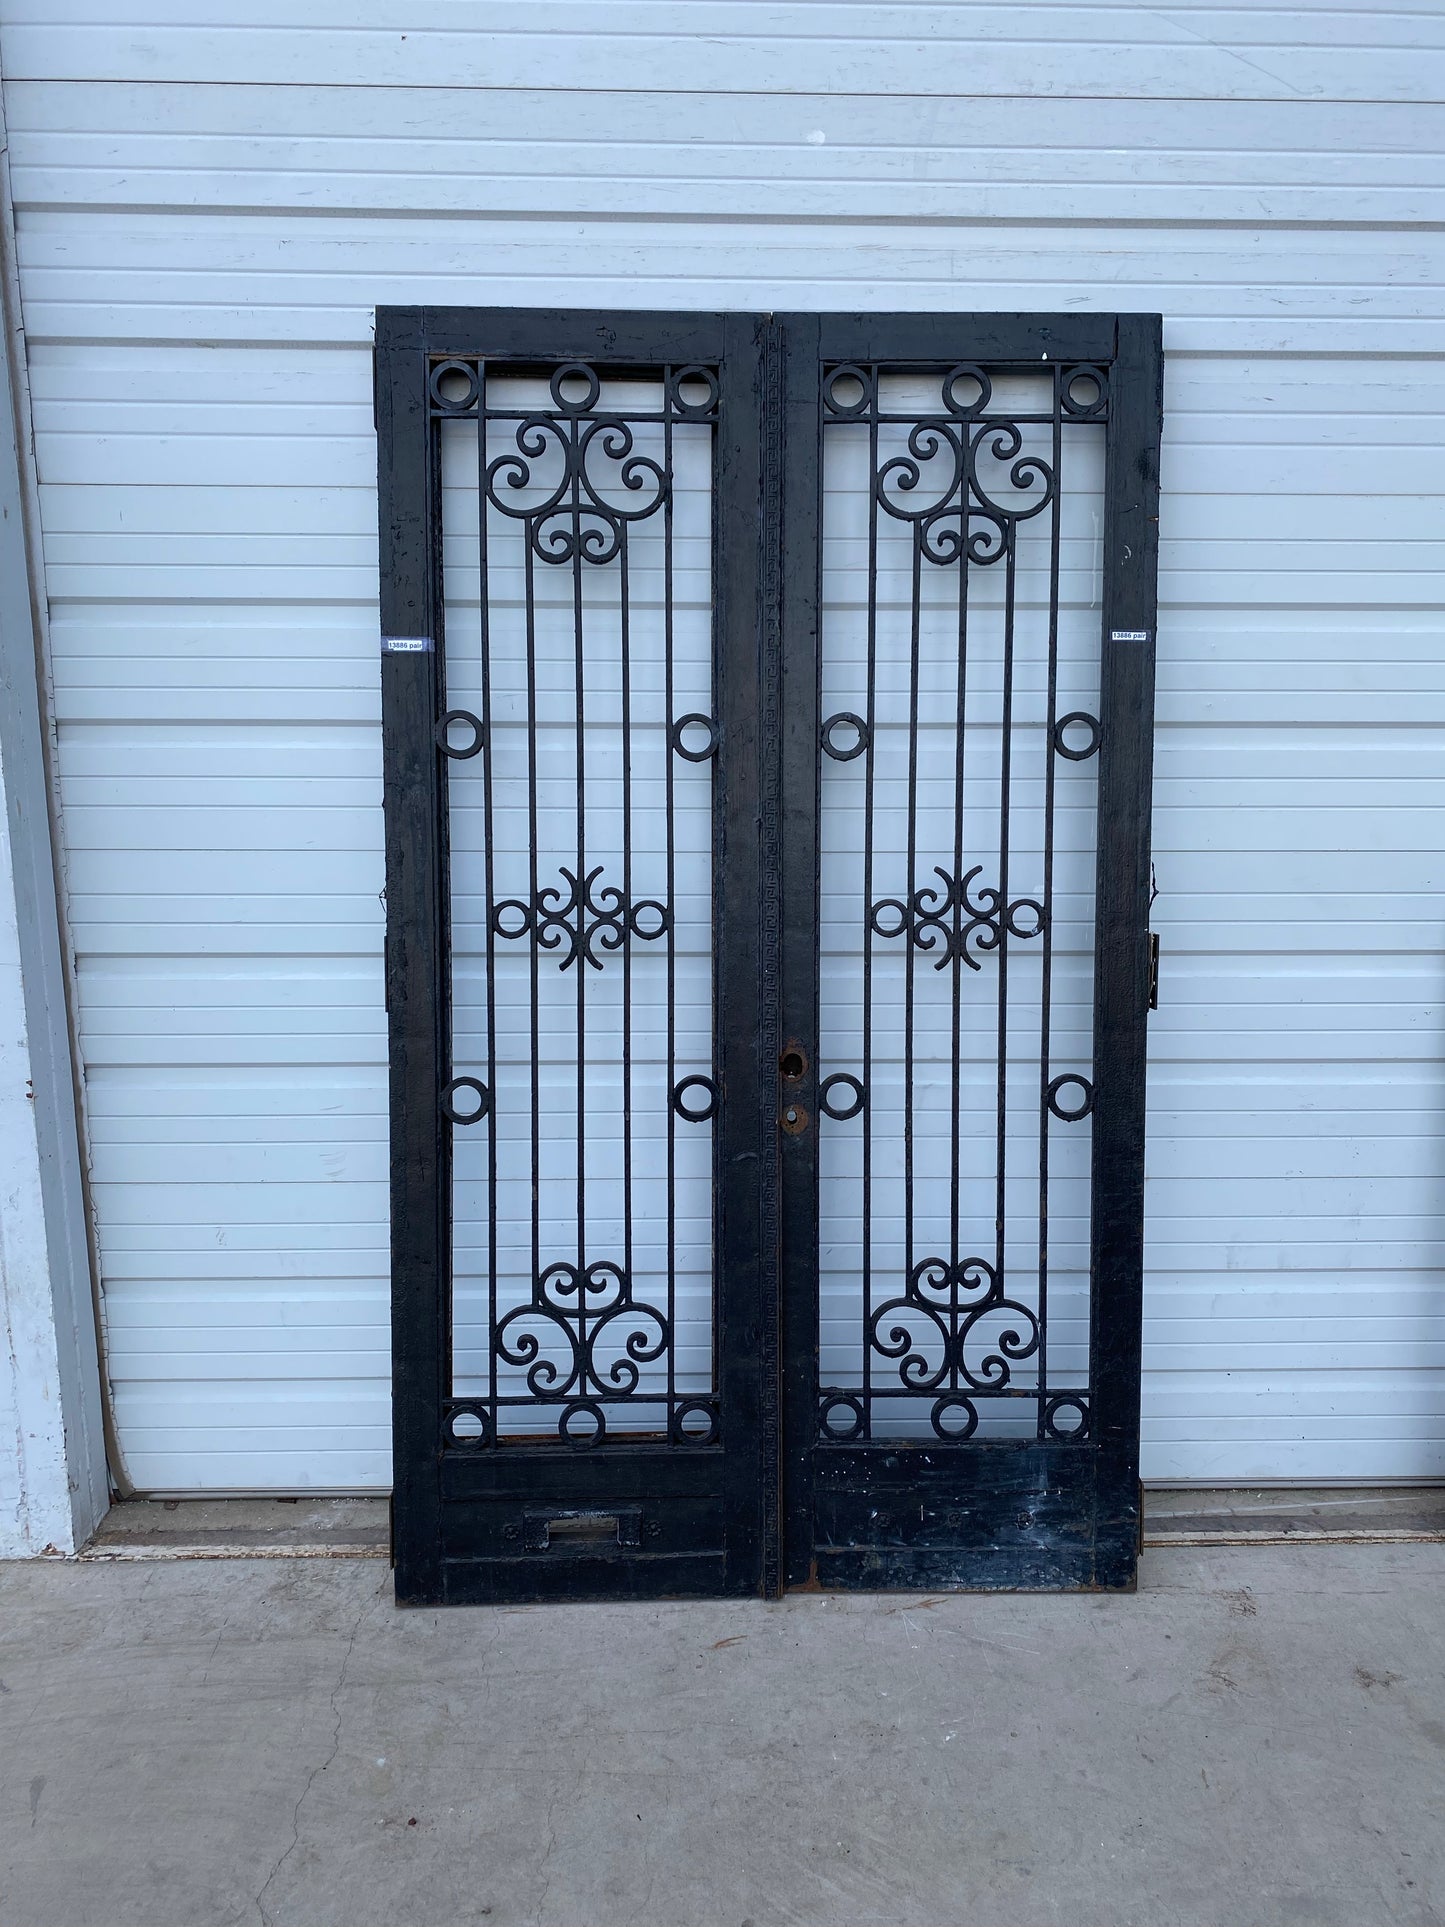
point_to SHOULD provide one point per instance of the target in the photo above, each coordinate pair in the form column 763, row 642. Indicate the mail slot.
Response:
column 577, row 1531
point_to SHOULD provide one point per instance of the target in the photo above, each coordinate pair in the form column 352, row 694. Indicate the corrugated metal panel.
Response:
column 205, row 226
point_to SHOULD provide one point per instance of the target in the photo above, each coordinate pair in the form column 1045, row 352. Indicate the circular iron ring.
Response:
column 708, row 749
column 1067, row 1113
column 844, row 716
column 694, row 1083
column 444, row 743
column 1091, row 723
column 825, row 1101
column 449, row 1103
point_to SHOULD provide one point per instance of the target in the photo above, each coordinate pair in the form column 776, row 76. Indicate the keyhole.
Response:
column 792, row 1064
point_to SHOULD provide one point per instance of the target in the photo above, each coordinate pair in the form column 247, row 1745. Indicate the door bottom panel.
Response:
column 911, row 1516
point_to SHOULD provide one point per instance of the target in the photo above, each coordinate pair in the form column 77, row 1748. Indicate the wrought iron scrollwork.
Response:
column 571, row 460
column 588, row 920
column 960, row 466
column 956, row 921
column 584, row 1337
column 947, row 1316
column 592, row 481
column 966, row 481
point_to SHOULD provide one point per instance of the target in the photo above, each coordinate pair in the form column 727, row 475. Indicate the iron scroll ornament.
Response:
column 936, row 1336
column 966, row 481
column 956, row 921
column 574, row 476
column 576, row 521
column 606, row 1335
column 588, row 921
column 945, row 1306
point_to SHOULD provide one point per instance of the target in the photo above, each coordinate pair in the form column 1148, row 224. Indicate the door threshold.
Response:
column 1289, row 1515
column 258, row 1528
column 355, row 1528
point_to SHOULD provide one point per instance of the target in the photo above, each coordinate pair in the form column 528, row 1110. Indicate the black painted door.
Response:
column 766, row 715
column 968, row 700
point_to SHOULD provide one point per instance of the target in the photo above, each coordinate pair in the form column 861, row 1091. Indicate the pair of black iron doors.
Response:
column 767, row 715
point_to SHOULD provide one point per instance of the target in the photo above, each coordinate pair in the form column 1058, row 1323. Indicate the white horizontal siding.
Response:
column 210, row 208
column 156, row 277
column 1110, row 53
column 964, row 161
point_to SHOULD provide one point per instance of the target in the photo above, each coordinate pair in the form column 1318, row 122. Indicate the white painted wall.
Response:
column 210, row 202
column 35, row 1499
column 54, row 1487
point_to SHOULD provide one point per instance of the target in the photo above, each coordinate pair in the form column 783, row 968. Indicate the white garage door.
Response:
column 206, row 220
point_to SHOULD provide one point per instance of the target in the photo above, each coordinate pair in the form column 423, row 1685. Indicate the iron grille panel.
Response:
column 959, row 734
column 577, row 572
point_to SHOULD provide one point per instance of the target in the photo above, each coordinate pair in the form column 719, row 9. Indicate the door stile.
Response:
column 744, row 967
column 418, row 997
column 1121, row 969
column 800, row 541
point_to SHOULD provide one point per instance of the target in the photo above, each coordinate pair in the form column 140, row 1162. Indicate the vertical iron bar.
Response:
column 870, row 758
column 960, row 726
column 488, row 764
column 533, row 959
column 670, row 898
column 910, row 885
column 580, row 737
column 624, row 640
column 1005, row 783
column 1051, row 706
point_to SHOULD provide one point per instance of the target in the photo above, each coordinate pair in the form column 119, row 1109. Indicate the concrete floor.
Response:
column 1258, row 1737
